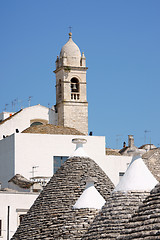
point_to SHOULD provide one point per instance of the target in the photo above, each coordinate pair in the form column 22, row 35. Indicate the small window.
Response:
column 60, row 87
column 58, row 161
column 21, row 217
column 0, row 227
column 121, row 175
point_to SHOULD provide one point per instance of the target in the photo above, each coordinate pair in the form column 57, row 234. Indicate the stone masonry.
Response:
column 71, row 97
column 52, row 215
column 145, row 223
column 115, row 213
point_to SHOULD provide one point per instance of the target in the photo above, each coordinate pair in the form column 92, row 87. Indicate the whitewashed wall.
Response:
column 21, row 151
column 39, row 150
column 5, row 115
column 30, row 150
column 114, row 165
column 19, row 203
column 22, row 120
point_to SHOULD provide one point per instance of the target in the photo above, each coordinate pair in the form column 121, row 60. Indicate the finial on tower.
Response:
column 70, row 35
column 70, row 32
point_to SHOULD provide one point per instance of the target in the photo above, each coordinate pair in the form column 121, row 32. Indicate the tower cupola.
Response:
column 71, row 97
column 70, row 55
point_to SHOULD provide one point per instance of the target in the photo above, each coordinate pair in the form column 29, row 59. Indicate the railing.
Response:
column 75, row 96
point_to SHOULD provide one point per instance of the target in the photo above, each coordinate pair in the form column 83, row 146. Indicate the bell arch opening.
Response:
column 75, row 89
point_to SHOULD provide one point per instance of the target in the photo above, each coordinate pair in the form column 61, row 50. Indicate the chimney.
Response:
column 79, row 151
column 17, row 131
column 130, row 141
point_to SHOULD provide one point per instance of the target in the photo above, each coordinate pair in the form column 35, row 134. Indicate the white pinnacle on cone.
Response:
column 90, row 197
column 137, row 177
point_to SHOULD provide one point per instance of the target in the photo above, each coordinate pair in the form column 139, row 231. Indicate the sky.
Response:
column 121, row 42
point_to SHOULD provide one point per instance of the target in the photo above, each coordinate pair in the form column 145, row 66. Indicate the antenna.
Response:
column 29, row 101
column 6, row 107
column 70, row 29
column 34, row 170
column 16, row 103
column 20, row 103
column 13, row 105
column 145, row 135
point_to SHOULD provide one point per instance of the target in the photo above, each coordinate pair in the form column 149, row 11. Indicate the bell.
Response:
column 74, row 86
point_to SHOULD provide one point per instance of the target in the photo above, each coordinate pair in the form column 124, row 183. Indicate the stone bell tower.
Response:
column 71, row 99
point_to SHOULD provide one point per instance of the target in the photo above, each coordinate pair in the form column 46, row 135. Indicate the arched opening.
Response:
column 36, row 123
column 75, row 89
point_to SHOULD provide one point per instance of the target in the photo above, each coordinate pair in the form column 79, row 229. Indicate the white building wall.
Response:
column 40, row 149
column 7, row 157
column 21, row 151
column 19, row 203
column 5, row 115
column 22, row 120
column 114, row 165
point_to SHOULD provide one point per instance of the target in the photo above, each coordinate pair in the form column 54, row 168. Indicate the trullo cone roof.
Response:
column 124, row 201
column 145, row 223
column 52, row 215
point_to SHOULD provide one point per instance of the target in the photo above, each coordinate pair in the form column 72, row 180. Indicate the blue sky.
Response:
column 121, row 42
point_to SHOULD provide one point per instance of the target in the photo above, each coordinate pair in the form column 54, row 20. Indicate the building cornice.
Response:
column 69, row 68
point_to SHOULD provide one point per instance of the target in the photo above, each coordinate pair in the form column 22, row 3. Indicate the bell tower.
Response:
column 71, row 99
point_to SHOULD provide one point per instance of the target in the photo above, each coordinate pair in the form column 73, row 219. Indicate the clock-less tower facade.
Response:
column 71, row 97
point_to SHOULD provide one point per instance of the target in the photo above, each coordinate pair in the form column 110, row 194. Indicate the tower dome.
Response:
column 72, row 52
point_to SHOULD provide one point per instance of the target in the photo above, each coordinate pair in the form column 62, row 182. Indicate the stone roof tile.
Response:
column 152, row 160
column 21, row 181
column 110, row 151
column 145, row 223
column 52, row 215
column 52, row 129
column 112, row 218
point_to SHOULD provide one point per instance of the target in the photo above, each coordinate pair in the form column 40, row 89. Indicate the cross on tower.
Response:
column 70, row 28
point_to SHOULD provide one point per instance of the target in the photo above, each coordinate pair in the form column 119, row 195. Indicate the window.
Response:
column 21, row 217
column 0, row 227
column 60, row 86
column 58, row 161
column 121, row 175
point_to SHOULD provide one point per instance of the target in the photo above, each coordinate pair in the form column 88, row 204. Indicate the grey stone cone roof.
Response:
column 52, row 215
column 21, row 181
column 115, row 213
column 152, row 160
column 145, row 223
